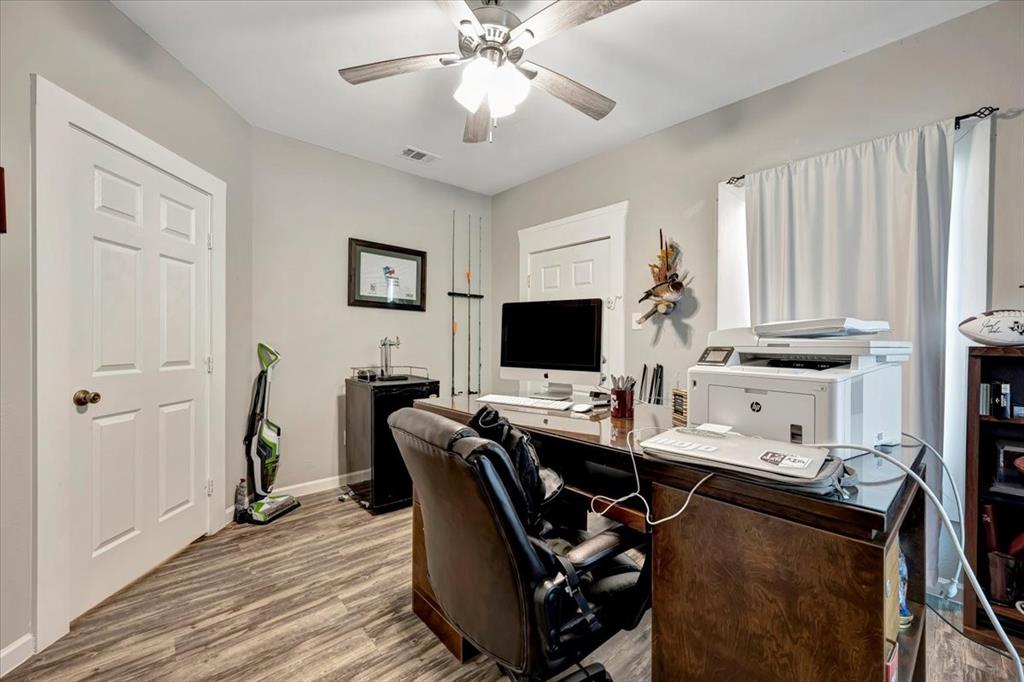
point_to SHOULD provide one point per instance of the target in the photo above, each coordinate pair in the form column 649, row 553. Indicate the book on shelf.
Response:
column 892, row 661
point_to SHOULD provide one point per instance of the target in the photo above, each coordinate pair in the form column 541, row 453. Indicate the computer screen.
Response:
column 555, row 335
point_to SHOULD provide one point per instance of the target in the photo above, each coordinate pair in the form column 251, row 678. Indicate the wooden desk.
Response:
column 750, row 582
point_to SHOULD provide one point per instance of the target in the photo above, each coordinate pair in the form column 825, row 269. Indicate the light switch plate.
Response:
column 636, row 321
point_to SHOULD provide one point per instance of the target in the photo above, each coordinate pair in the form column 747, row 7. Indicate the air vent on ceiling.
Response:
column 418, row 155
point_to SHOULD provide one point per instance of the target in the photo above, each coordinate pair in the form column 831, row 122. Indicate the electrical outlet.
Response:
column 637, row 324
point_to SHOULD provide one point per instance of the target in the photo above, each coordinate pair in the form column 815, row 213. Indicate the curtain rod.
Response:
column 983, row 112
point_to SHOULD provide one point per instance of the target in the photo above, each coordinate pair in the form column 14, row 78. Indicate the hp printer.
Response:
column 800, row 389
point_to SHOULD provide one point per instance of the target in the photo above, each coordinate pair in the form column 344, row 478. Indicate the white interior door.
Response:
column 139, row 325
column 129, row 306
column 575, row 271
column 581, row 256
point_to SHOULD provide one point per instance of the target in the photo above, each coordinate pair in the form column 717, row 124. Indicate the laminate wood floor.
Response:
column 323, row 593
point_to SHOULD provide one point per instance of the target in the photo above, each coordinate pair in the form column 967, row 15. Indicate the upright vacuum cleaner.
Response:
column 263, row 448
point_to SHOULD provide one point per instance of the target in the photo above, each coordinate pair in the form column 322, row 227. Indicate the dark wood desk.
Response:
column 750, row 583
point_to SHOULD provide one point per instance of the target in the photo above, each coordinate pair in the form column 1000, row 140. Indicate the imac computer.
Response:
column 554, row 341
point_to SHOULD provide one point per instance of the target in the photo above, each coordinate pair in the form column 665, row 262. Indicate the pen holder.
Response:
column 622, row 403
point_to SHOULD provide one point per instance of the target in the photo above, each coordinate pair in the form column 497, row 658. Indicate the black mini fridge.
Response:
column 368, row 404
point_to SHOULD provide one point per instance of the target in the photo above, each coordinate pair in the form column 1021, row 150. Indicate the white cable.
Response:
column 951, row 592
column 956, row 545
column 647, row 515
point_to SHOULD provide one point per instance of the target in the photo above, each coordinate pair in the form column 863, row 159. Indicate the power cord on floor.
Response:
column 637, row 494
column 975, row 585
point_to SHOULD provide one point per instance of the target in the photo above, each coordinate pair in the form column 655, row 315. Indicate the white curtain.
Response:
column 862, row 232
column 733, row 291
column 967, row 293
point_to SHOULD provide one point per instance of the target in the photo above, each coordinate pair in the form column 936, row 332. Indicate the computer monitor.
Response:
column 554, row 341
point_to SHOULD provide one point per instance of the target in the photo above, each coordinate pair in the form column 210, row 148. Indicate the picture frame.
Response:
column 386, row 276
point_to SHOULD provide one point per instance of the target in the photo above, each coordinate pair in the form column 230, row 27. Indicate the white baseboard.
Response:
column 310, row 487
column 322, row 484
column 17, row 652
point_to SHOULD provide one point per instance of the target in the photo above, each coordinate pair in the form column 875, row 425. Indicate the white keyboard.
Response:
column 519, row 401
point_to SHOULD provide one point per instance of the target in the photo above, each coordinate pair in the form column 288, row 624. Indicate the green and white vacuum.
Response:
column 263, row 448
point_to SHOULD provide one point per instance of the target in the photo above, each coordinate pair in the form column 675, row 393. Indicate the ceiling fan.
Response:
column 496, row 78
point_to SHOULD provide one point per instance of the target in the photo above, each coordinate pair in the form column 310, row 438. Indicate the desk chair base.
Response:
column 594, row 672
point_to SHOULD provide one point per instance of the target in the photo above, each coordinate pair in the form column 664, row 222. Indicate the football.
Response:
column 995, row 328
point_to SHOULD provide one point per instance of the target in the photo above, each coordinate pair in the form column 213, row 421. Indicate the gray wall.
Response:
column 96, row 53
column 307, row 202
column 670, row 177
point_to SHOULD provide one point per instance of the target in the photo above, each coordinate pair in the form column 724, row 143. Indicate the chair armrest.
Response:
column 607, row 544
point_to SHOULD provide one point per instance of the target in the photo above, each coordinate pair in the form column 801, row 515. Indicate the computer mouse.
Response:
column 582, row 407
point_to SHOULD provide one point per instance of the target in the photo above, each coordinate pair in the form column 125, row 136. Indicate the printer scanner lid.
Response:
column 745, row 340
column 822, row 326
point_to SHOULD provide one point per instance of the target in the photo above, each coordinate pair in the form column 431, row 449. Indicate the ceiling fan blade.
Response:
column 462, row 16
column 560, row 16
column 593, row 104
column 395, row 67
column 478, row 125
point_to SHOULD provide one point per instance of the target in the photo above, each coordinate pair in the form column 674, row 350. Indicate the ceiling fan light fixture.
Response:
column 508, row 89
column 476, row 82
column 491, row 45
column 511, row 83
column 499, row 104
column 469, row 97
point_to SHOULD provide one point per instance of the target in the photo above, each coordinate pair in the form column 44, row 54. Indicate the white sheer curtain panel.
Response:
column 733, row 289
column 864, row 232
column 967, row 279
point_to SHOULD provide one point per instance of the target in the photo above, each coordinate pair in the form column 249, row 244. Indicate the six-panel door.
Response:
column 140, row 324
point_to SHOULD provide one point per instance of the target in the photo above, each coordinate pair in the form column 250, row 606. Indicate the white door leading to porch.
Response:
column 130, row 312
column 140, row 318
column 581, row 256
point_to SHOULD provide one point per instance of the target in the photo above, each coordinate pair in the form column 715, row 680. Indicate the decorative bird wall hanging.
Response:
column 669, row 283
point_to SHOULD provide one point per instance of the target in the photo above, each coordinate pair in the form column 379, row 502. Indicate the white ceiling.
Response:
column 663, row 61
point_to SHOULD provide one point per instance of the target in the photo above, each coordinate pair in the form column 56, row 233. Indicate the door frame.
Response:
column 55, row 113
column 607, row 222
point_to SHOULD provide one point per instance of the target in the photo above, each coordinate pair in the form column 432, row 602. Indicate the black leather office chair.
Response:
column 536, row 605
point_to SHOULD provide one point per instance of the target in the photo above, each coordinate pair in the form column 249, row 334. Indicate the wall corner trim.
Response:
column 17, row 652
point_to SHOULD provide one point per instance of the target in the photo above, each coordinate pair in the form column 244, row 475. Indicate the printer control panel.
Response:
column 716, row 355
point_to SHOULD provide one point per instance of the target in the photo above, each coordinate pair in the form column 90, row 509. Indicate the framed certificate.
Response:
column 383, row 276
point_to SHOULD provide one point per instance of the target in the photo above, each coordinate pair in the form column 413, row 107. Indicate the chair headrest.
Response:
column 436, row 430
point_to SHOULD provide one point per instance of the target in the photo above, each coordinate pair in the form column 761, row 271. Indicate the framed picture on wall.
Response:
column 384, row 276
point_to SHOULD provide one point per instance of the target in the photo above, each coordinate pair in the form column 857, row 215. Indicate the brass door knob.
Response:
column 83, row 397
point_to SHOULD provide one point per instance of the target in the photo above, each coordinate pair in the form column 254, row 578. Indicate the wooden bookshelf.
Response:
column 909, row 642
column 996, row 420
column 986, row 364
column 1008, row 612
